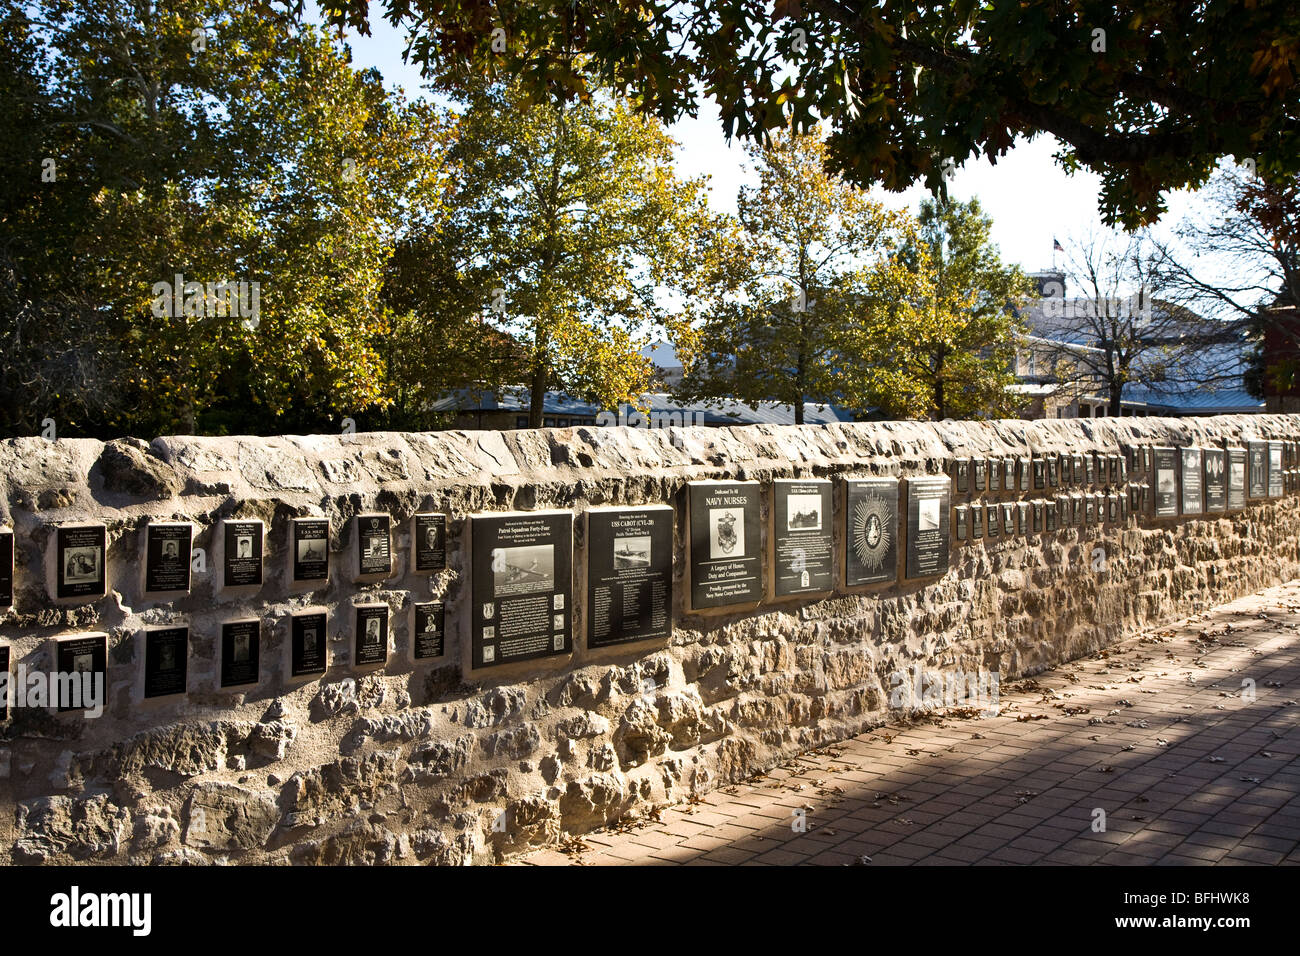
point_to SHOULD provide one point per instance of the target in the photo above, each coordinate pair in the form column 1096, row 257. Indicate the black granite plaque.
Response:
column 1008, row 520
column 1053, row 470
column 167, row 557
column 726, row 563
column 1051, row 513
column 371, row 634
column 311, row 549
column 1040, row 472
column 977, row 520
column 166, row 651
column 1237, row 468
column 243, row 558
column 979, row 469
column 1166, row 468
column 1038, row 517
column 995, row 474
column 1146, row 459
column 871, row 531
column 80, row 561
column 522, row 586
column 8, row 682
column 1123, row 506
column 1065, row 465
column 1080, row 472
column 82, row 656
column 961, row 475
column 1114, row 469
column 802, row 542
column 1275, row 469
column 992, row 526
column 961, row 520
column 928, row 508
column 1189, row 466
column 630, row 574
column 307, row 644
column 1023, row 474
column 1112, row 507
column 1257, row 469
column 430, row 628
column 374, row 545
column 1022, row 515
column 429, row 533
column 6, row 568
column 1089, row 509
column 1009, row 474
column 1089, row 468
column 241, row 652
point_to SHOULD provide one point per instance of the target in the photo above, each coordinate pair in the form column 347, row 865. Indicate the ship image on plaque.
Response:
column 725, row 564
column 311, row 549
column 241, row 651
column 801, row 543
column 6, row 568
column 1237, row 464
column 429, row 538
column 307, row 644
column 928, row 536
column 371, row 634
column 243, row 553
column 85, row 657
column 1216, row 479
column 428, row 633
column 1192, row 483
column 373, row 546
column 522, row 586
column 1275, row 469
column 166, row 650
column 629, row 574
column 80, row 553
column 167, row 557
column 1166, row 468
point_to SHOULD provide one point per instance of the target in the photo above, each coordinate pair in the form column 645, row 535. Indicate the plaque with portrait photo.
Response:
column 521, row 586
column 992, row 526
column 1166, row 483
column 1053, row 471
column 310, row 549
column 979, row 472
column 371, row 636
column 1008, row 520
column 928, row 537
column 1009, row 474
column 1051, row 514
column 1023, row 474
column 977, row 520
column 1040, row 471
column 961, row 521
column 428, row 630
column 995, row 474
column 1190, row 467
column 374, row 546
column 801, row 541
column 243, row 553
column 1038, row 509
column 167, row 557
column 1022, row 518
column 725, row 561
column 629, row 574
column 961, row 475
column 870, row 531
column 80, row 554
column 307, row 644
column 241, row 652
column 1275, row 469
column 429, row 539
column 1237, row 476
column 84, row 656
column 6, row 568
column 166, row 653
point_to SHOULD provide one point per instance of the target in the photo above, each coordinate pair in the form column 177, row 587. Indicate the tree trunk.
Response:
column 1113, row 405
column 537, row 396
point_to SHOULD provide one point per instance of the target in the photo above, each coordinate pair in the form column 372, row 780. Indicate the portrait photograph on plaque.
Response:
column 374, row 546
column 961, row 521
column 1275, row 469
column 629, row 574
column 521, row 586
column 928, row 536
column 80, row 557
column 167, row 556
column 429, row 539
column 371, row 635
column 992, row 526
column 1216, row 479
column 801, row 543
column 80, row 655
column 310, row 549
column 428, row 630
column 166, row 653
column 1237, row 464
column 242, row 561
column 307, row 651
column 977, row 520
column 961, row 475
column 1257, row 469
column 6, row 568
column 724, row 560
column 241, row 652
column 1190, row 465
column 979, row 469
column 1165, row 461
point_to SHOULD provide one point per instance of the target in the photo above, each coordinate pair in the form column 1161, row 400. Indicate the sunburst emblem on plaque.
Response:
column 871, row 531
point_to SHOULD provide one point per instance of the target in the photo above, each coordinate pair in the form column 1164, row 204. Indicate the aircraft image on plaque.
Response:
column 871, row 545
column 632, row 552
column 523, row 570
column 804, row 513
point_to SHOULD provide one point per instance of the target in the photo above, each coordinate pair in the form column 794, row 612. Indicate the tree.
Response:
column 1146, row 93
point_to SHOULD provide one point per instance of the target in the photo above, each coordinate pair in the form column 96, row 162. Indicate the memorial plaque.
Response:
column 1065, row 464
column 6, row 568
column 8, row 682
column 1051, row 512
column 1009, row 474
column 166, row 653
column 307, row 644
column 1089, row 510
column 961, row 519
column 1023, row 474
column 1237, row 466
column 992, row 526
column 1080, row 472
column 1257, row 469
column 1190, row 466
column 311, row 549
column 1166, row 468
column 1053, row 471
column 1112, row 507
column 1008, row 520
column 1146, row 459
column 374, row 546
column 79, row 656
column 371, row 634
column 1123, row 506
column 241, row 652
column 995, row 474
column 871, row 531
column 428, row 633
column 630, row 574
column 429, row 537
column 167, row 557
column 1038, row 517
column 961, row 475
column 243, row 557
column 978, row 468
column 725, row 563
column 80, row 564
column 1040, row 472
column 522, row 586
column 1114, row 469
column 1022, row 512
column 927, row 526
column 1089, row 469
column 977, row 520
column 801, row 540
column 1275, row 469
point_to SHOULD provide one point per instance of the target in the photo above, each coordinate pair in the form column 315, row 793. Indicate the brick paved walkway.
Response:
column 1157, row 733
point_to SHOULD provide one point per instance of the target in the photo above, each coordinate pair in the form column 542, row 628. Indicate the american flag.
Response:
column 1056, row 246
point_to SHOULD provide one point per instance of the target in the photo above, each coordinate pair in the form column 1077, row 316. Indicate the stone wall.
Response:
column 432, row 763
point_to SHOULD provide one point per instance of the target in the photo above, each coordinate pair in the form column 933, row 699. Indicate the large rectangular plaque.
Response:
column 801, row 541
column 629, row 574
column 928, row 508
column 307, row 644
column 1257, row 469
column 1237, row 467
column 374, row 546
column 1216, row 479
column 80, row 554
column 429, row 539
column 522, row 586
column 84, row 654
column 725, row 563
column 1190, row 465
column 1275, row 469
column 371, row 639
column 166, row 653
column 241, row 652
column 429, row 630
column 243, row 554
column 167, row 556
column 311, row 549
column 6, row 568
column 1166, row 469
column 871, row 531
